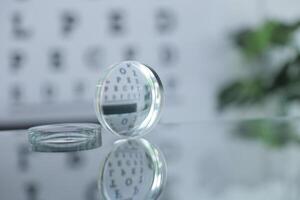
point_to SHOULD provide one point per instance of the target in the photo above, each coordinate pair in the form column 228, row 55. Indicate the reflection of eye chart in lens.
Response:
column 133, row 170
column 127, row 97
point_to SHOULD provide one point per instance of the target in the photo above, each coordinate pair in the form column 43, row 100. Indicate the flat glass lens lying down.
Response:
column 65, row 137
column 129, row 98
column 135, row 170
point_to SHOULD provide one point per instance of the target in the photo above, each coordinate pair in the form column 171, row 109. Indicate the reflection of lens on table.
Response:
column 134, row 169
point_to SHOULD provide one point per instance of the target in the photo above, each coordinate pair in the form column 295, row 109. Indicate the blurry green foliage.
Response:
column 285, row 83
column 255, row 42
column 282, row 83
column 254, row 90
column 242, row 92
column 272, row 133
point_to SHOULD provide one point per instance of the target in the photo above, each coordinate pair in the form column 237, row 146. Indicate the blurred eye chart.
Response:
column 53, row 52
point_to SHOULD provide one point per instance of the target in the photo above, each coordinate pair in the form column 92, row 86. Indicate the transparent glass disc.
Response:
column 65, row 137
column 129, row 99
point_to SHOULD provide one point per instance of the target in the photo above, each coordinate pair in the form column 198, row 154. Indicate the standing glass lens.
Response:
column 129, row 98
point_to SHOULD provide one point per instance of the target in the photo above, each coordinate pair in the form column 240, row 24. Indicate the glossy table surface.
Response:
column 234, row 160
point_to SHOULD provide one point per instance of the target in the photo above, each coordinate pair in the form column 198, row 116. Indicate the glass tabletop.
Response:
column 247, row 159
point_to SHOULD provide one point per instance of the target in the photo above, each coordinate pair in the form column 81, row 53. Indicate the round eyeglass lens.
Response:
column 65, row 137
column 129, row 99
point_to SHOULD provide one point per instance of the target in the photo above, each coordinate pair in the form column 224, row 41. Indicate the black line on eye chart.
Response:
column 119, row 109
